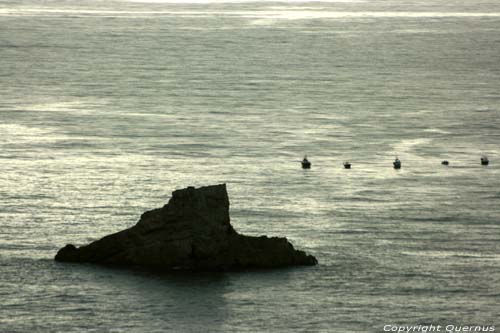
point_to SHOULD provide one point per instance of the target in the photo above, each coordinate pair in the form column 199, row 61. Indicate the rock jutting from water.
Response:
column 191, row 232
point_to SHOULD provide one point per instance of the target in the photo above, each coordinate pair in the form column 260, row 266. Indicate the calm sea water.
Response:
column 108, row 106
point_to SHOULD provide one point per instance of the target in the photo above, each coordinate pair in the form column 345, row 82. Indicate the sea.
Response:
column 106, row 107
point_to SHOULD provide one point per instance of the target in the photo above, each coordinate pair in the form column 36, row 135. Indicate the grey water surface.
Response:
column 108, row 106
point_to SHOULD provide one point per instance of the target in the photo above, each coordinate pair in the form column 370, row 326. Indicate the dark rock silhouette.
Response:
column 191, row 232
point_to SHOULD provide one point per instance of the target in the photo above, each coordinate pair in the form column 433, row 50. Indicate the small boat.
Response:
column 397, row 163
column 347, row 165
column 484, row 160
column 445, row 162
column 305, row 163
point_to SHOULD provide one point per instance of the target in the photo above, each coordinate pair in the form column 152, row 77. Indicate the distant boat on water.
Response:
column 305, row 163
column 397, row 163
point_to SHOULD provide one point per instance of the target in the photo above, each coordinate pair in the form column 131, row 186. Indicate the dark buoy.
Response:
column 397, row 163
column 305, row 163
column 347, row 165
column 484, row 160
column 445, row 162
